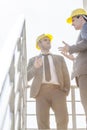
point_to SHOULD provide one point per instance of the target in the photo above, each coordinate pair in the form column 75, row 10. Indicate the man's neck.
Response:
column 44, row 52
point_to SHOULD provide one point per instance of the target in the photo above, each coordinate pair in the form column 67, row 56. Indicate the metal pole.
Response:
column 85, row 4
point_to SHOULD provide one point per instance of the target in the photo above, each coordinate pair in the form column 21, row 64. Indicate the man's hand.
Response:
column 69, row 56
column 64, row 49
column 38, row 62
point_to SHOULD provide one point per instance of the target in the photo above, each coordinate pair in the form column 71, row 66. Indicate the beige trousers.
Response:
column 51, row 97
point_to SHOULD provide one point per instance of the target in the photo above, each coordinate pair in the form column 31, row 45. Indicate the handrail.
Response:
column 13, row 79
column 8, row 49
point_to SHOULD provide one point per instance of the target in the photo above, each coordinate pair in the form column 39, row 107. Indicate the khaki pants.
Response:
column 51, row 97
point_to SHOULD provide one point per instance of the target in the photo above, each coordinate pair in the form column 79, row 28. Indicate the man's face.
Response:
column 45, row 43
column 77, row 22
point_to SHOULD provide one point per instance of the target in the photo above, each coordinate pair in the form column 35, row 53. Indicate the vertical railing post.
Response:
column 85, row 4
column 73, row 108
column 24, row 75
column 12, row 75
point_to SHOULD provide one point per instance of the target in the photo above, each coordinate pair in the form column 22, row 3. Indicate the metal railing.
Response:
column 75, row 110
column 13, row 79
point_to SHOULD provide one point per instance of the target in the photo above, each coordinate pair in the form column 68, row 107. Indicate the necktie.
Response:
column 47, row 68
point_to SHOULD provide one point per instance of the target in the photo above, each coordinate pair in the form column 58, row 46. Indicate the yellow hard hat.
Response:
column 41, row 37
column 76, row 12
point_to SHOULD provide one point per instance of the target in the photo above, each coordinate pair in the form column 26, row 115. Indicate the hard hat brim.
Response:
column 69, row 20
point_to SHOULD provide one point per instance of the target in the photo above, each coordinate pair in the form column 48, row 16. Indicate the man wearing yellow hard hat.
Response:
column 78, row 19
column 51, row 84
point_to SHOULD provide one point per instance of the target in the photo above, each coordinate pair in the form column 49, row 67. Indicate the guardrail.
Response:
column 13, row 79
column 76, row 113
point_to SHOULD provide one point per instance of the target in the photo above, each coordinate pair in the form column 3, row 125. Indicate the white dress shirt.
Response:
column 54, row 79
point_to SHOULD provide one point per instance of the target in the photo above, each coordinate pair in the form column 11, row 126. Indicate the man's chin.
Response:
column 76, row 28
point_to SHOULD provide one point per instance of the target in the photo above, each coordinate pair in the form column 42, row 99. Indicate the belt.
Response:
column 50, row 85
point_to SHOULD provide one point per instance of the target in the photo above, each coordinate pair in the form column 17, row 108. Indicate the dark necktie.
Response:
column 47, row 68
